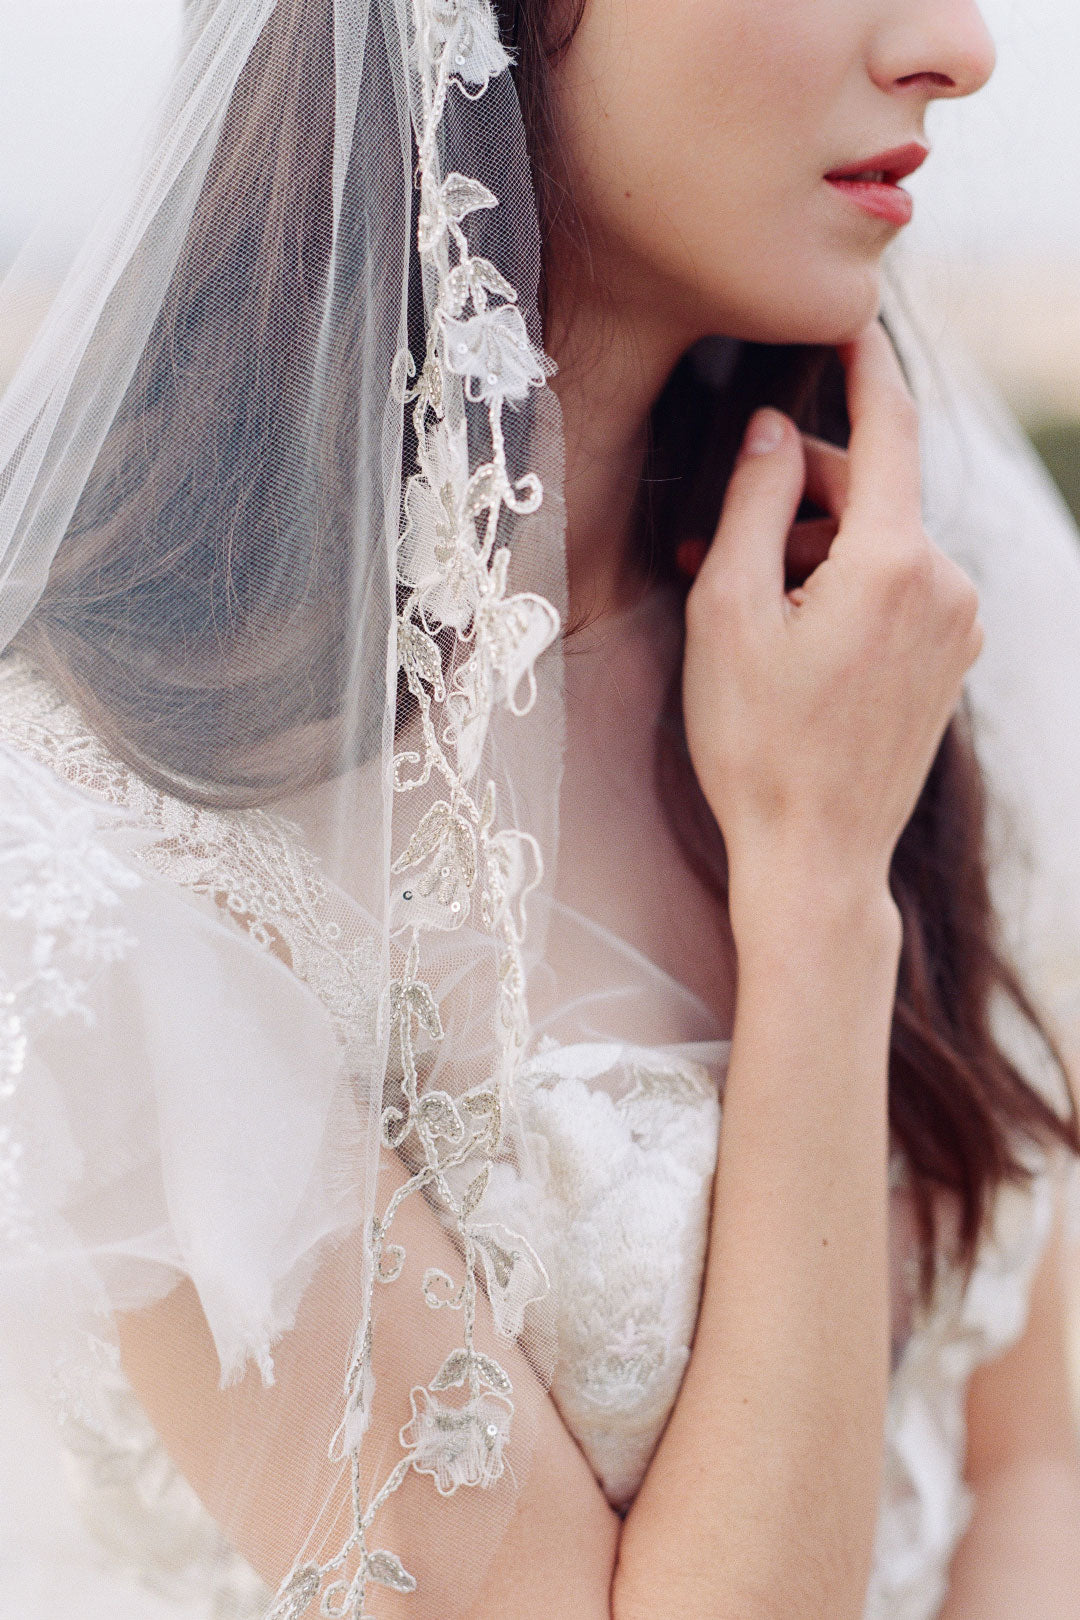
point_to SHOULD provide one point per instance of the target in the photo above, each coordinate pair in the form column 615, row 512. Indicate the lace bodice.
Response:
column 624, row 1137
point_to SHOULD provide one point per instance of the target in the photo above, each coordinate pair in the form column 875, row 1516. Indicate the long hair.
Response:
column 960, row 1110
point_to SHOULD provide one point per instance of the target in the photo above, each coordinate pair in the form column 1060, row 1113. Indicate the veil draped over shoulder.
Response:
column 282, row 731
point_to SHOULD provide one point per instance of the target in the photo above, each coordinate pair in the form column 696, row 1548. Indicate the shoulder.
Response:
column 252, row 872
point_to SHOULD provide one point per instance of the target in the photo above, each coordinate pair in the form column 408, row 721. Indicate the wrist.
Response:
column 787, row 902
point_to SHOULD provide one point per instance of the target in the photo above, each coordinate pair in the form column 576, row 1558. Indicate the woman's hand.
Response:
column 813, row 715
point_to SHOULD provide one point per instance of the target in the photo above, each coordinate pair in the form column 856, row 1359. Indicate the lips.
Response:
column 886, row 167
column 872, row 183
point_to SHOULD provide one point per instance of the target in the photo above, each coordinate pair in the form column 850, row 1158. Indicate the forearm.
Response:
column 761, row 1498
column 1020, row 1554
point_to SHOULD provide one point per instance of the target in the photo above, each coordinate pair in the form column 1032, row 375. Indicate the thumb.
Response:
column 760, row 504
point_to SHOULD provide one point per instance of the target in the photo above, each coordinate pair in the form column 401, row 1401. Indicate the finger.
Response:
column 827, row 478
column 807, row 547
column 760, row 504
column 883, row 452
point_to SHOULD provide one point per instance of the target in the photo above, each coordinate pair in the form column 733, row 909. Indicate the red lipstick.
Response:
column 872, row 183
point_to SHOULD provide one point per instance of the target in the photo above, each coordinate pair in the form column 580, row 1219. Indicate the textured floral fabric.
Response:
column 613, row 1196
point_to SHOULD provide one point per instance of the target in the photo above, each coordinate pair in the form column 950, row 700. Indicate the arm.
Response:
column 812, row 720
column 258, row 1457
column 787, row 1383
column 1021, row 1554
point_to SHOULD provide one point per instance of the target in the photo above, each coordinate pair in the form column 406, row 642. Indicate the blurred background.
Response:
column 995, row 242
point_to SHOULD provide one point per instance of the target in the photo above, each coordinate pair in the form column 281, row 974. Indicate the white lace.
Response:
column 253, row 864
column 454, row 574
column 465, row 863
column 62, row 891
column 603, row 1163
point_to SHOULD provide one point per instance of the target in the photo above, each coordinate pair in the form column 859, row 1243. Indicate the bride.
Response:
column 537, row 774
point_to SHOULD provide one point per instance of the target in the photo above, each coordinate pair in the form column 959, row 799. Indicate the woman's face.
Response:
column 700, row 133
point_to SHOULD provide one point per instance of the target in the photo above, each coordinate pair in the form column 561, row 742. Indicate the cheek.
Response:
column 697, row 132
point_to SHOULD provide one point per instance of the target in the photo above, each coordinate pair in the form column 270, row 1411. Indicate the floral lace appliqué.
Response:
column 62, row 891
column 252, row 863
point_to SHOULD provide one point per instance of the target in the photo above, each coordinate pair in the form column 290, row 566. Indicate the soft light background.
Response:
column 996, row 235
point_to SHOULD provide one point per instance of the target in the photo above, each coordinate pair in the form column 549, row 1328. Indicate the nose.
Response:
column 941, row 47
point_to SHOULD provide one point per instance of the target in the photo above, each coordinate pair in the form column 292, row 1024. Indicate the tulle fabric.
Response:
column 347, row 770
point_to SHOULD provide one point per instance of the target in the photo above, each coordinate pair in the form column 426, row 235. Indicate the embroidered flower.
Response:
column 439, row 554
column 466, row 31
column 474, row 278
column 514, row 1274
column 457, row 1445
column 495, row 355
column 509, row 634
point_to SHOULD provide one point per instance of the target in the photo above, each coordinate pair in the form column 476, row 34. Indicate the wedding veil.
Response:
column 288, row 417
column 281, row 516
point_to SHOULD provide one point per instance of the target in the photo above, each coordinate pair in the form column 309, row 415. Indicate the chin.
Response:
column 828, row 307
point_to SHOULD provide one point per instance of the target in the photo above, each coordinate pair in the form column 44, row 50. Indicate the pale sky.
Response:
column 76, row 76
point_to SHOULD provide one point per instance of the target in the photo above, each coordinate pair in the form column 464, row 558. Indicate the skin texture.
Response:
column 698, row 137
column 710, row 202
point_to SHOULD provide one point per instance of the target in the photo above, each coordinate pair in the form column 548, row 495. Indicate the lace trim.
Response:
column 253, row 864
column 62, row 889
column 453, row 575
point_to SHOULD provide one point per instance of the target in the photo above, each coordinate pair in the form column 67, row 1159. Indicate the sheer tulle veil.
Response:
column 288, row 529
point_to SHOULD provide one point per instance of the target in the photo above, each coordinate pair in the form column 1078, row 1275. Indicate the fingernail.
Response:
column 765, row 433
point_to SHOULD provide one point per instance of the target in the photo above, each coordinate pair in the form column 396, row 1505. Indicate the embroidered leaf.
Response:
column 475, row 1192
column 425, row 1008
column 488, row 276
column 418, row 656
column 480, row 1102
column 427, row 837
column 457, row 289
column 483, row 489
column 454, row 1370
column 388, row 1570
column 295, row 1596
column 439, row 1113
column 464, row 842
column 492, row 1374
column 461, row 195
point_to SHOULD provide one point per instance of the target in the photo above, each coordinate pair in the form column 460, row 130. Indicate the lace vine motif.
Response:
column 453, row 575
column 253, row 864
column 62, row 885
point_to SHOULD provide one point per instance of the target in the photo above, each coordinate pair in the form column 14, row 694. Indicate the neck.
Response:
column 613, row 361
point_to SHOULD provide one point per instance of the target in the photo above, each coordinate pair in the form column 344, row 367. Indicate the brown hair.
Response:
column 960, row 1109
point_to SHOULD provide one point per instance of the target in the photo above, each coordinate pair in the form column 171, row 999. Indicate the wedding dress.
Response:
column 621, row 1098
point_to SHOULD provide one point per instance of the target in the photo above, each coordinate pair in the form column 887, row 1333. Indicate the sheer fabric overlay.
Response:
column 354, row 1153
column 385, row 934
